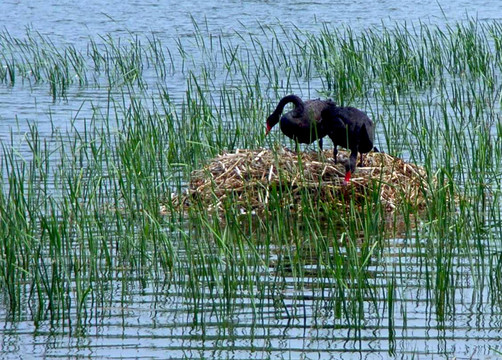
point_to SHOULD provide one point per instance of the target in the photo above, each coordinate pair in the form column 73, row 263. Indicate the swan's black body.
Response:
column 314, row 119
column 304, row 123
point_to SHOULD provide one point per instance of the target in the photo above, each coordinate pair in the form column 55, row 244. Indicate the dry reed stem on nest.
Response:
column 246, row 177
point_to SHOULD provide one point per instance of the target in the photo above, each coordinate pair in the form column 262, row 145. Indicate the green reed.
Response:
column 81, row 210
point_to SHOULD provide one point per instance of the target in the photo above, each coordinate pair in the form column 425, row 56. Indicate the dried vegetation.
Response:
column 249, row 179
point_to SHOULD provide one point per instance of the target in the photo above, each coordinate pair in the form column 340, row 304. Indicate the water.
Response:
column 138, row 320
column 64, row 24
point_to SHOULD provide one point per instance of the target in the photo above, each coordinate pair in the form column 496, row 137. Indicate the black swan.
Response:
column 311, row 120
column 352, row 129
column 304, row 123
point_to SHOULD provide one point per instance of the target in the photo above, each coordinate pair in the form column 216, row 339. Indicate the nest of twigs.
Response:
column 253, row 179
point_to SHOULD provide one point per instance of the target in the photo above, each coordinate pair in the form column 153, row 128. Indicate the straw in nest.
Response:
column 247, row 179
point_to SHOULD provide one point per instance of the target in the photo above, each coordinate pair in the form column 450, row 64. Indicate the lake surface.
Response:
column 144, row 319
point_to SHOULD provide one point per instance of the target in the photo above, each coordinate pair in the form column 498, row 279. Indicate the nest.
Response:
column 253, row 179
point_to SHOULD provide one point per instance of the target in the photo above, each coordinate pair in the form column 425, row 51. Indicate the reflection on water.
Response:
column 154, row 321
column 313, row 320
column 406, row 308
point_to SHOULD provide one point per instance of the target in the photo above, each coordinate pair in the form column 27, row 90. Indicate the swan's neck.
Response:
column 273, row 119
column 299, row 106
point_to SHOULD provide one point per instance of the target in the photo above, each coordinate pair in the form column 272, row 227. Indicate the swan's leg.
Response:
column 361, row 160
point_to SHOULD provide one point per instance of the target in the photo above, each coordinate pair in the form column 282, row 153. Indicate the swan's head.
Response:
column 272, row 120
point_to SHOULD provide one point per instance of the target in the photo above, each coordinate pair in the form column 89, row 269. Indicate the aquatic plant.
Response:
column 89, row 209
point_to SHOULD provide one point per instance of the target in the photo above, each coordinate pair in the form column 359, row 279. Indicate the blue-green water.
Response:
column 137, row 320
